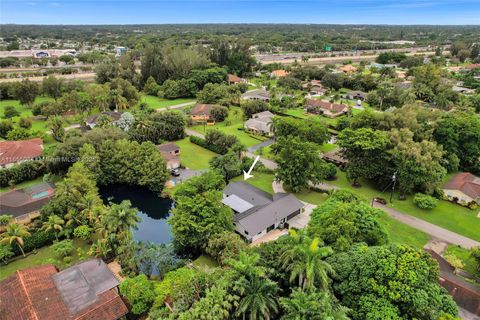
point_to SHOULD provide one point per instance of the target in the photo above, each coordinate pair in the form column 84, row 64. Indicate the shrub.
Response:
column 82, row 232
column 10, row 112
column 202, row 143
column 63, row 248
column 5, row 219
column 5, row 127
column 330, row 171
column 5, row 252
column 454, row 261
column 25, row 123
column 219, row 113
column 424, row 201
column 139, row 292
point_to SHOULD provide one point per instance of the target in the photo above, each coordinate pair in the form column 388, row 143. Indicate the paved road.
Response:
column 190, row 132
column 272, row 165
column 177, row 106
column 429, row 228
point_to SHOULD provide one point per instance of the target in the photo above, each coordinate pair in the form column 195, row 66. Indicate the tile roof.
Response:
column 465, row 182
column 325, row 105
column 15, row 151
column 279, row 73
column 348, row 68
column 201, row 109
column 233, row 78
column 32, row 294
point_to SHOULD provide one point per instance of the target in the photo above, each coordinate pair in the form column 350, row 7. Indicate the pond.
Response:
column 153, row 210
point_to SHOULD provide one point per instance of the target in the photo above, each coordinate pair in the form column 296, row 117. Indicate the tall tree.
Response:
column 26, row 91
column 54, row 223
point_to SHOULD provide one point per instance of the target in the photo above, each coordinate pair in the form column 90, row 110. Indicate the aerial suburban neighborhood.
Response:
column 183, row 170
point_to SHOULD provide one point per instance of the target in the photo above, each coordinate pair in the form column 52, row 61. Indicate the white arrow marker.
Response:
column 247, row 175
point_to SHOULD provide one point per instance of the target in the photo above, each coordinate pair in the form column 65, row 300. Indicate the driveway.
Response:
column 429, row 228
column 269, row 164
column 191, row 132
column 300, row 221
column 186, row 174
column 265, row 143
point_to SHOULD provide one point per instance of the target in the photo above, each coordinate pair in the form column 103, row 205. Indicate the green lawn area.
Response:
column 469, row 264
column 327, row 147
column 193, row 156
column 260, row 180
column 25, row 111
column 233, row 125
column 446, row 215
column 297, row 113
column 43, row 256
column 402, row 233
column 205, row 261
column 157, row 103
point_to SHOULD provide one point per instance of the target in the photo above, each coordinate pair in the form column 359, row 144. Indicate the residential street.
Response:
column 429, row 228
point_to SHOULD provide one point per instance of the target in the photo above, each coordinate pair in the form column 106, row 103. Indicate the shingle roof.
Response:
column 115, row 115
column 168, row 147
column 265, row 209
column 22, row 201
column 465, row 182
column 15, row 151
column 32, row 294
column 261, row 121
column 260, row 94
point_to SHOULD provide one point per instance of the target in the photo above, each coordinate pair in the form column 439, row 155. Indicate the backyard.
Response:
column 43, row 256
column 233, row 125
column 193, row 156
column 157, row 103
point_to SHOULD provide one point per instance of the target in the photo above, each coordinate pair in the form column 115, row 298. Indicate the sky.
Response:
column 434, row 12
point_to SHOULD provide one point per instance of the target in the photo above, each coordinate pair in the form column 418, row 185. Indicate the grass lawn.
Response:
column 25, row 111
column 327, row 147
column 297, row 113
column 205, row 261
column 232, row 125
column 402, row 233
column 43, row 256
column 446, row 215
column 193, row 156
column 260, row 180
column 469, row 264
column 157, row 103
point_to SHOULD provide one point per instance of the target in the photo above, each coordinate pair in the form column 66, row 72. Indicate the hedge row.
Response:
column 37, row 240
column 202, row 143
column 24, row 171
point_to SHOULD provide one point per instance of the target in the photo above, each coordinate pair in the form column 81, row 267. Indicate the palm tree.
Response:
column 305, row 262
column 15, row 233
column 246, row 265
column 120, row 219
column 258, row 297
column 54, row 223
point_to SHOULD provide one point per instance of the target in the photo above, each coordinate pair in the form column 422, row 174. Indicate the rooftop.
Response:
column 22, row 201
column 465, row 182
column 21, row 150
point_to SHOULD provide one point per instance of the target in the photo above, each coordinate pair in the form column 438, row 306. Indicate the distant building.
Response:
column 200, row 113
column 356, row 95
column 120, row 51
column 13, row 152
column 347, row 68
column 464, row 187
column 170, row 151
column 257, row 212
column 278, row 74
column 329, row 110
column 92, row 121
column 463, row 90
column 233, row 79
column 259, row 94
column 84, row 291
column 335, row 157
column 260, row 123
column 22, row 203
column 314, row 87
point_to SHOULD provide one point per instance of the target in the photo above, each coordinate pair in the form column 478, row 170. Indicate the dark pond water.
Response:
column 153, row 210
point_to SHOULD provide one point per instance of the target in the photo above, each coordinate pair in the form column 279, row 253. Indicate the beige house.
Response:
column 260, row 123
column 463, row 188
column 170, row 152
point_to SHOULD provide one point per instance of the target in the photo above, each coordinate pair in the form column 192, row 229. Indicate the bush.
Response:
column 202, row 143
column 25, row 123
column 82, row 232
column 5, row 252
column 63, row 248
column 424, row 201
column 330, row 171
column 219, row 113
column 139, row 293
column 5, row 127
column 10, row 112
column 5, row 219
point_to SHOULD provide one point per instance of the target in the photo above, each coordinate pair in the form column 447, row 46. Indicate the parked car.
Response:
column 175, row 172
column 380, row 200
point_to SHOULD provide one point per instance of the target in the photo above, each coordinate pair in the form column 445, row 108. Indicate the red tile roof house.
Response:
column 13, row 152
column 464, row 188
column 233, row 79
column 329, row 110
column 170, row 152
column 200, row 113
column 26, row 203
column 86, row 291
column 278, row 73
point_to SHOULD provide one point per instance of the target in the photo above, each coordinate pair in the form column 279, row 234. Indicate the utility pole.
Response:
column 394, row 180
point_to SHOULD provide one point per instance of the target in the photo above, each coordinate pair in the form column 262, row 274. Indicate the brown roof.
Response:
column 348, row 68
column 27, row 200
column 31, row 294
column 327, row 106
column 201, row 109
column 233, row 78
column 168, row 147
column 115, row 115
column 473, row 66
column 15, row 151
column 465, row 182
